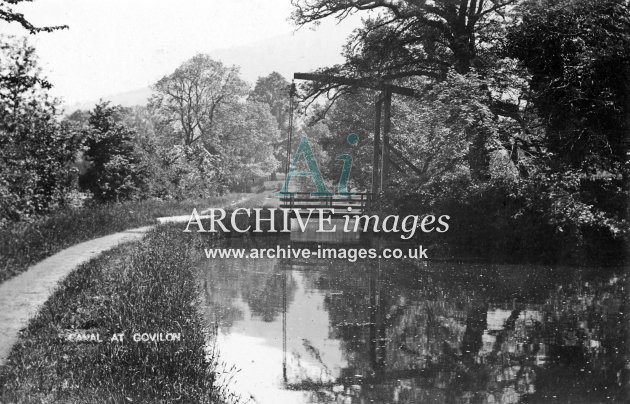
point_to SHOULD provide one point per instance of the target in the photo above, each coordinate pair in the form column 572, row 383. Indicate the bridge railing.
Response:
column 342, row 204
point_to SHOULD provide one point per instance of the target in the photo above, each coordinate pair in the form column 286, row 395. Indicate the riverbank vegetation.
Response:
column 149, row 286
column 517, row 128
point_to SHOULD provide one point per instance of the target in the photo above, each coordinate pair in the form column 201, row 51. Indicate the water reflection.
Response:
column 328, row 331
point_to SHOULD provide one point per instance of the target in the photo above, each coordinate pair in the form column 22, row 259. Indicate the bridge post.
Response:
column 387, row 125
column 378, row 106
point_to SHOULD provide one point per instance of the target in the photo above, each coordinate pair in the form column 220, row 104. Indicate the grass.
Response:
column 23, row 244
column 147, row 286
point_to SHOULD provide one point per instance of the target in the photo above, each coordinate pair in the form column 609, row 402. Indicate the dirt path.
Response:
column 23, row 295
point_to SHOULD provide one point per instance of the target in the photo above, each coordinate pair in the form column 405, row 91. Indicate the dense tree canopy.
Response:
column 273, row 90
column 417, row 43
column 115, row 170
column 578, row 54
column 189, row 99
column 206, row 113
column 248, row 134
column 520, row 114
column 405, row 38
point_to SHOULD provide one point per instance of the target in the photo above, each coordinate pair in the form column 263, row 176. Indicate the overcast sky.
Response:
column 115, row 46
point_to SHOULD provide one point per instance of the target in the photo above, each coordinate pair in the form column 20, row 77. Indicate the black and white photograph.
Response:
column 315, row 201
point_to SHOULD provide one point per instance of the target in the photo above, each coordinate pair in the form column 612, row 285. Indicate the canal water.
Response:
column 390, row 331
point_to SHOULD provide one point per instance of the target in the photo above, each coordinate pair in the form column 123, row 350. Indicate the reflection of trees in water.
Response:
column 448, row 333
column 221, row 287
column 259, row 283
column 420, row 336
column 585, row 339
column 263, row 292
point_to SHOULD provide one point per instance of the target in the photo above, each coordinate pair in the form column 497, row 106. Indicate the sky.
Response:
column 116, row 46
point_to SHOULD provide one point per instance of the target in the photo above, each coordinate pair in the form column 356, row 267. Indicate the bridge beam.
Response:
column 363, row 83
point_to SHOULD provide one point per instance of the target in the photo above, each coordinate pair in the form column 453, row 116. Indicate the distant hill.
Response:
column 126, row 99
column 301, row 51
column 286, row 54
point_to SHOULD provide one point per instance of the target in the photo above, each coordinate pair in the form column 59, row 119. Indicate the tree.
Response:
column 579, row 59
column 115, row 171
column 406, row 38
column 36, row 150
column 431, row 138
column 419, row 42
column 248, row 134
column 228, row 138
column 578, row 56
column 273, row 90
column 188, row 100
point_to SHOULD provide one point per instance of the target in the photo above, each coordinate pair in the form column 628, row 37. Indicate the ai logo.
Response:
column 304, row 149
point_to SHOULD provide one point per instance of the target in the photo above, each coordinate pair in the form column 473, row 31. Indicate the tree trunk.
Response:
column 478, row 155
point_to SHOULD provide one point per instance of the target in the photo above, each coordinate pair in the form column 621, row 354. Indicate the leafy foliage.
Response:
column 578, row 56
column 248, row 133
column 35, row 149
column 188, row 100
column 273, row 90
column 115, row 170
column 579, row 59
column 521, row 102
column 405, row 38
column 420, row 43
column 209, row 137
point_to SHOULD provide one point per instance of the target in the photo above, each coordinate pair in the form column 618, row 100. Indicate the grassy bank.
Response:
column 23, row 244
column 148, row 286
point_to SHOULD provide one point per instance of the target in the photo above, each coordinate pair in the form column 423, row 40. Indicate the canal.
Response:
column 392, row 331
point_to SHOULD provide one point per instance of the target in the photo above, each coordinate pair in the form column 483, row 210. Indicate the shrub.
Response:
column 540, row 219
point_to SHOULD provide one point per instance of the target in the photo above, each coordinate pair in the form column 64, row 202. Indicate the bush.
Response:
column 115, row 171
column 540, row 219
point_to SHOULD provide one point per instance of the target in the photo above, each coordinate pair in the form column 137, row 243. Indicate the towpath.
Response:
column 22, row 296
